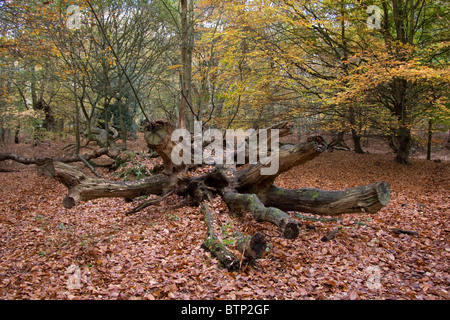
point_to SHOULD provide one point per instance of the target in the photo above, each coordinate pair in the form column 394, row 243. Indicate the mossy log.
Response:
column 214, row 245
column 369, row 198
column 250, row 202
column 251, row 247
column 242, row 189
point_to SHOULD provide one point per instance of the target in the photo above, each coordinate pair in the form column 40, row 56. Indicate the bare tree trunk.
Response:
column 123, row 127
column 250, row 202
column 75, row 158
column 186, row 60
column 356, row 137
column 369, row 198
column 16, row 135
column 84, row 187
column 77, row 116
column 430, row 137
column 404, row 145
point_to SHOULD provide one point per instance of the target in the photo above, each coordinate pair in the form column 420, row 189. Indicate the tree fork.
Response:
column 158, row 134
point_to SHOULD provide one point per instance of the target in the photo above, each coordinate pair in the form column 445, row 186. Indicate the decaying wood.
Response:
column 251, row 180
column 250, row 202
column 148, row 203
column 158, row 135
column 331, row 235
column 89, row 166
column 400, row 231
column 112, row 153
column 83, row 187
column 214, row 245
column 369, row 198
column 99, row 135
column 251, row 247
column 247, row 189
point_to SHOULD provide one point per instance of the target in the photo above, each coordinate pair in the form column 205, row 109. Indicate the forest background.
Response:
column 369, row 76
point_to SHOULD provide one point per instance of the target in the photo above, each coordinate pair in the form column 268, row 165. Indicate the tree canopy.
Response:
column 343, row 66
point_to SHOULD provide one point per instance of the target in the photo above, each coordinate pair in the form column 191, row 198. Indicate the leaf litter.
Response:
column 94, row 251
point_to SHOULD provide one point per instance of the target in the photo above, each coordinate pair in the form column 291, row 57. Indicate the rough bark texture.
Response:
column 83, row 187
column 251, row 247
column 247, row 189
column 251, row 180
column 369, row 198
column 100, row 136
column 250, row 202
column 158, row 135
column 75, row 158
column 214, row 245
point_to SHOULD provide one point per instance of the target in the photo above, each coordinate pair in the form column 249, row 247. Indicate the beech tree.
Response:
column 354, row 65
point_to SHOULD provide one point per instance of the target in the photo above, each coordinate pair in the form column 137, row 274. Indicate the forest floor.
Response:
column 94, row 251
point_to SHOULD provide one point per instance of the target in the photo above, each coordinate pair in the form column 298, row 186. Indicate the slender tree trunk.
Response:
column 356, row 137
column 357, row 142
column 2, row 132
column 404, row 145
column 184, row 62
column 123, row 127
column 367, row 137
column 16, row 135
column 369, row 198
column 447, row 145
column 430, row 136
column 187, row 39
column 77, row 117
column 106, row 117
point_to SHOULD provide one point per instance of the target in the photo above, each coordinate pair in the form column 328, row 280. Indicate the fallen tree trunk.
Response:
column 83, row 187
column 112, row 153
column 214, row 245
column 369, row 198
column 102, row 138
column 249, row 189
column 251, row 247
column 253, row 180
